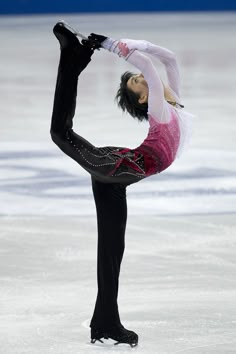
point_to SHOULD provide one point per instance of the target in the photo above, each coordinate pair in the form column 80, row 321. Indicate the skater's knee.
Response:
column 58, row 137
column 54, row 135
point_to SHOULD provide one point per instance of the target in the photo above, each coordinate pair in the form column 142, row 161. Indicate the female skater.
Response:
column 114, row 168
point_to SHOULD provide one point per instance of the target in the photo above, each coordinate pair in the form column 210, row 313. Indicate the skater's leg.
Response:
column 108, row 165
column 111, row 208
column 74, row 57
column 102, row 163
column 110, row 200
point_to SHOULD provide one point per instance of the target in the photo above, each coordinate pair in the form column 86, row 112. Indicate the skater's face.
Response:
column 138, row 85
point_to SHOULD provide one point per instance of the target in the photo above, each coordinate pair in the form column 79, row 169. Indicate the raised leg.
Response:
column 74, row 58
column 101, row 163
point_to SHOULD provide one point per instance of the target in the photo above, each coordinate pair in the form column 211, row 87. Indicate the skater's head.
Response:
column 132, row 95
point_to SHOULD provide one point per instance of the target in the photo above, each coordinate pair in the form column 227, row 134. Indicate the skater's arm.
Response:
column 157, row 106
column 167, row 57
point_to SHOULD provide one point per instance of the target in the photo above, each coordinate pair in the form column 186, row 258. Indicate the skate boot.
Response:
column 87, row 42
column 65, row 35
column 73, row 52
column 119, row 334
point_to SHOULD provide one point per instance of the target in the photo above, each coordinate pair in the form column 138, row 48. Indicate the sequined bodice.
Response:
column 164, row 138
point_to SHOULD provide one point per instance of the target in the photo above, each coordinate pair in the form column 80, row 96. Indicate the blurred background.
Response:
column 177, row 283
column 73, row 6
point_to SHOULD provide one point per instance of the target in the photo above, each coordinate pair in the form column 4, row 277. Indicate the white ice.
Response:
column 178, row 277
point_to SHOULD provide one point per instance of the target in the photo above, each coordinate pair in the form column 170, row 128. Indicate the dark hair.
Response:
column 127, row 100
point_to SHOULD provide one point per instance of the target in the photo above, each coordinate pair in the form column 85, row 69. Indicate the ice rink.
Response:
column 178, row 275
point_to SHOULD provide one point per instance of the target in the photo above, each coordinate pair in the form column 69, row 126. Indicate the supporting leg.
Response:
column 110, row 200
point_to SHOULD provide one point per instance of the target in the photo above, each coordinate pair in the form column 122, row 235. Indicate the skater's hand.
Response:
column 91, row 45
column 97, row 39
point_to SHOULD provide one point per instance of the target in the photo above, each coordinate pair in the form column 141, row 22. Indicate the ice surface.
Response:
column 177, row 284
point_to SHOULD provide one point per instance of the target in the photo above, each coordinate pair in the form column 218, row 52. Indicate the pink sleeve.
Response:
column 157, row 105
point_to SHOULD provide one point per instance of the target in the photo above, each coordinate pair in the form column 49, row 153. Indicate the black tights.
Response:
column 109, row 182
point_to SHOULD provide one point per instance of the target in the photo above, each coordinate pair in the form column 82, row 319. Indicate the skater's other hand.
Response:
column 97, row 38
column 91, row 45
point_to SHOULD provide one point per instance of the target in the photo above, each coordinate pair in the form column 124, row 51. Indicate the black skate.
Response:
column 76, row 54
column 90, row 43
column 120, row 334
column 72, row 30
column 65, row 35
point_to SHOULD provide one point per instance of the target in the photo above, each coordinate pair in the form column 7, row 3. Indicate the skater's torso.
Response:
column 169, row 125
column 163, row 139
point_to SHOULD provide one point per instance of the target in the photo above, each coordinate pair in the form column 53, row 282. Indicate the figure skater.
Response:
column 112, row 169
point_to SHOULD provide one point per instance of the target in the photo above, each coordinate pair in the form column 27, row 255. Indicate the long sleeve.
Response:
column 166, row 57
column 168, row 138
column 157, row 106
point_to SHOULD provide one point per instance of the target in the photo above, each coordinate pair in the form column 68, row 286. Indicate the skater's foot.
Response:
column 120, row 334
column 65, row 35
column 74, row 54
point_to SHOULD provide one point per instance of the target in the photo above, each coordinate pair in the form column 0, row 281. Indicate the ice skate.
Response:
column 72, row 30
column 119, row 334
column 85, row 40
column 74, row 54
column 65, row 35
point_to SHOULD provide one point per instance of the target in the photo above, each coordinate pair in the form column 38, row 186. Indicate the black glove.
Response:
column 97, row 39
column 91, row 45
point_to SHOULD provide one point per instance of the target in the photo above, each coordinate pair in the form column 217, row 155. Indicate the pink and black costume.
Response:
column 114, row 168
column 169, row 126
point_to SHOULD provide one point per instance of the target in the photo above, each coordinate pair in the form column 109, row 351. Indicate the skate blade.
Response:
column 109, row 343
column 76, row 33
column 104, row 343
column 131, row 344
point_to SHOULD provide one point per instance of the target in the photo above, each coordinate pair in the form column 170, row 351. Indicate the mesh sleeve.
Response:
column 157, row 105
